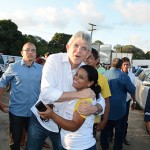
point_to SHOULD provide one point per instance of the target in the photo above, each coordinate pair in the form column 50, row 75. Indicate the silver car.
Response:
column 142, row 87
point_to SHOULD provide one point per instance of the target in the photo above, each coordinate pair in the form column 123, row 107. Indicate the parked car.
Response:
column 142, row 87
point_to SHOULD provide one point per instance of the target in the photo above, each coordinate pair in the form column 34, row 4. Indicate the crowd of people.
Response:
column 68, row 97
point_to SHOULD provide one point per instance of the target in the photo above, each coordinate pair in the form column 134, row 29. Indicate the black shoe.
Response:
column 125, row 142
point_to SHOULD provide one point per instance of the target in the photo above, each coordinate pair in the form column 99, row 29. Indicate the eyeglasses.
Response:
column 30, row 50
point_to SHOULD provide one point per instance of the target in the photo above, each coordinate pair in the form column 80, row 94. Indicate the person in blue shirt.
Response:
column 147, row 112
column 120, row 84
column 25, row 78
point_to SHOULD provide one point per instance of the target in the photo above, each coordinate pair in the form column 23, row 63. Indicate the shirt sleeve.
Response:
column 49, row 92
column 78, row 103
column 7, row 76
column 105, row 90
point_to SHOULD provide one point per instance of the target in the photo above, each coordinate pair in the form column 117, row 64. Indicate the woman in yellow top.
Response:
column 76, row 129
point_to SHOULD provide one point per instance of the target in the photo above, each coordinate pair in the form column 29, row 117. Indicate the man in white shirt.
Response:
column 56, row 87
column 125, row 69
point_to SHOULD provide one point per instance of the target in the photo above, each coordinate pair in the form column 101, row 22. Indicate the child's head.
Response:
column 87, row 77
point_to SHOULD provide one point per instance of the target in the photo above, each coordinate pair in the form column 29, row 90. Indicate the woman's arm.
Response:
column 70, row 125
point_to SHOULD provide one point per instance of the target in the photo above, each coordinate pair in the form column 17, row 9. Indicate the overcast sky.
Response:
column 121, row 22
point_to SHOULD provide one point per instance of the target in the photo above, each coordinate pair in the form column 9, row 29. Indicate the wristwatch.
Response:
column 98, row 111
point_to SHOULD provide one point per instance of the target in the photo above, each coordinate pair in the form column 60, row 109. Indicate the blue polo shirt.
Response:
column 147, row 108
column 119, row 84
column 25, row 86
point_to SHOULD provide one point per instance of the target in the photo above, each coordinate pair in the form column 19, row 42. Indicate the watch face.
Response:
column 96, row 113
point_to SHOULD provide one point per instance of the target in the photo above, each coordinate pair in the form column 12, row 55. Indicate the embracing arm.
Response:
column 70, row 125
column 90, row 109
column 86, row 93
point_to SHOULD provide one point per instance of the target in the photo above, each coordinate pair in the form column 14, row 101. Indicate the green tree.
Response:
column 137, row 53
column 147, row 55
column 98, row 42
column 58, row 42
column 11, row 39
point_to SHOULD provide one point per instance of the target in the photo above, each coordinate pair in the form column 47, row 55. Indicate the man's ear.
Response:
column 67, row 47
column 21, row 53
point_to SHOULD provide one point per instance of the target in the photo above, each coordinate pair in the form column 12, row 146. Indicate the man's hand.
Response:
column 86, row 93
column 101, row 125
column 86, row 108
column 133, row 105
column 148, row 127
column 4, row 107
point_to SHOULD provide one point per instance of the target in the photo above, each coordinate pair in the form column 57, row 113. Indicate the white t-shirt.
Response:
column 83, row 137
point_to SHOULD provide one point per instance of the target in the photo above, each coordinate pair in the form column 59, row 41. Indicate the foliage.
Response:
column 11, row 39
column 58, row 42
column 147, row 55
column 98, row 42
column 137, row 53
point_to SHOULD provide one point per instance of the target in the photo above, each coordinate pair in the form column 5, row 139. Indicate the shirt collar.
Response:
column 33, row 64
column 65, row 59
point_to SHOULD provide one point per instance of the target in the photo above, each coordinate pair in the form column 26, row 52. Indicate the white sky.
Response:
column 121, row 22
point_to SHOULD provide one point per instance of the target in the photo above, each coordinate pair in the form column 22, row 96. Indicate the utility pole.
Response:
column 92, row 29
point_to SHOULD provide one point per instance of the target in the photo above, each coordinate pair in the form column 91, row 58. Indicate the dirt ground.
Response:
column 137, row 135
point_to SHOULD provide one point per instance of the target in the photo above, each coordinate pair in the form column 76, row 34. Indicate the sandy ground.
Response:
column 137, row 135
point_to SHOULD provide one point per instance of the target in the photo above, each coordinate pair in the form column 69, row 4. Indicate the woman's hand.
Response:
column 48, row 114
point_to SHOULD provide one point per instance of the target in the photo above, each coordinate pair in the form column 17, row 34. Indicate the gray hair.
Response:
column 83, row 36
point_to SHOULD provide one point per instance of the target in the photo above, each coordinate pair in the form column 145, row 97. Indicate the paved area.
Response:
column 137, row 135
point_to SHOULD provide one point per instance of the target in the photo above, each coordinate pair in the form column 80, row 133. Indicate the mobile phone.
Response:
column 40, row 106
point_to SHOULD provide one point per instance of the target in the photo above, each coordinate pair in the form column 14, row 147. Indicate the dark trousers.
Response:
column 119, row 133
column 17, row 124
column 126, row 118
